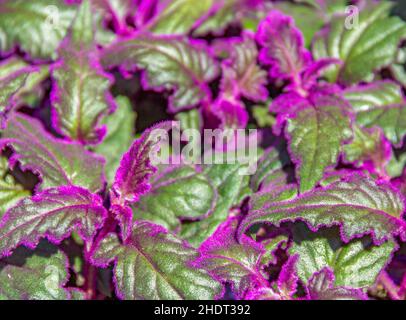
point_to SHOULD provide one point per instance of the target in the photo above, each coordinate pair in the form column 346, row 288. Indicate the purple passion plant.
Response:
column 86, row 214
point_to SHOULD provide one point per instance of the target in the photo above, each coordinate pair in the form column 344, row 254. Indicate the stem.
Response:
column 390, row 287
column 402, row 291
column 90, row 271
column 90, row 284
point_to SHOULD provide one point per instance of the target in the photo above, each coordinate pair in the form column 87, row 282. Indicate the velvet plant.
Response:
column 85, row 212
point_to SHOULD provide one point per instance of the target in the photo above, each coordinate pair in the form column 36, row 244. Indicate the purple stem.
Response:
column 391, row 288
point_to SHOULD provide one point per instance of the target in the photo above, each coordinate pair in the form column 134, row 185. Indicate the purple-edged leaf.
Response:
column 314, row 70
column 308, row 19
column 364, row 46
column 56, row 161
column 10, row 190
column 242, row 76
column 52, row 214
column 80, row 94
column 146, row 10
column 120, row 135
column 380, row 104
column 231, row 188
column 35, row 275
column 177, row 16
column 273, row 179
column 237, row 263
column 124, row 217
column 368, row 145
column 263, row 294
column 316, row 133
column 10, row 83
column 321, row 287
column 271, row 169
column 170, row 63
column 136, row 167
column 356, row 264
column 155, row 265
column 335, row 175
column 232, row 115
column 272, row 193
column 176, row 193
column 287, row 280
column 282, row 47
column 102, row 18
column 38, row 26
column 271, row 246
column 31, row 91
column 357, row 204
column 285, row 286
column 117, row 11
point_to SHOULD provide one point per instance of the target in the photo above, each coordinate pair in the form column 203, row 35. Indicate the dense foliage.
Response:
column 86, row 214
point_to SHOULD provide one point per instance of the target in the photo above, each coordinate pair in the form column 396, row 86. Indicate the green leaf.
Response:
column 273, row 193
column 53, row 214
column 170, row 63
column 30, row 86
column 120, row 135
column 219, row 20
column 56, row 161
column 398, row 67
column 311, row 15
column 363, row 48
column 365, row 146
column 262, row 116
column 80, row 94
column 396, row 165
column 10, row 84
column 229, row 183
column 238, row 263
column 356, row 264
column 251, row 20
column 357, row 204
column 270, row 169
column 9, row 87
column 179, row 192
column 399, row 73
column 316, row 135
column 321, row 287
column 137, row 166
column 117, row 10
column 178, row 16
column 273, row 178
column 242, row 76
column 36, row 26
column 309, row 20
column 34, row 275
column 380, row 104
column 81, row 33
column 226, row 13
column 10, row 191
column 190, row 119
column 119, row 7
column 330, row 6
column 155, row 265
column 271, row 245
